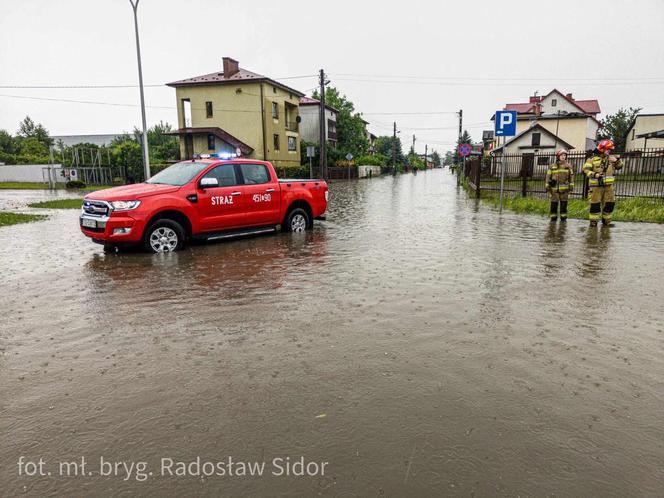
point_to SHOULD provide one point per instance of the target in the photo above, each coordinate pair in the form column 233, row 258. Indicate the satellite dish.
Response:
column 298, row 119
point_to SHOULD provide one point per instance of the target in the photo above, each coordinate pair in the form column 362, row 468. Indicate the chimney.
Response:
column 231, row 67
column 538, row 110
column 535, row 99
column 569, row 96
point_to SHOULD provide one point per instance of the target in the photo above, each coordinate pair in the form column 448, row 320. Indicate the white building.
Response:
column 310, row 119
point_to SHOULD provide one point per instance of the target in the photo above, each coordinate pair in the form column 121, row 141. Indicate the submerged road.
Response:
column 417, row 342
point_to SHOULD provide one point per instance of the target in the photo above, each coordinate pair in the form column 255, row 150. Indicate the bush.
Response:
column 75, row 184
column 293, row 172
column 375, row 160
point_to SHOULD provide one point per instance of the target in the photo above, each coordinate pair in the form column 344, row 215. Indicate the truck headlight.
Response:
column 125, row 205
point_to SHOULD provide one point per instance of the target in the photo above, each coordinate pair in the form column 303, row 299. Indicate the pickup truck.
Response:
column 203, row 198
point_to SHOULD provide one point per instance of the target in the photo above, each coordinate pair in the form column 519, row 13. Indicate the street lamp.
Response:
column 146, row 156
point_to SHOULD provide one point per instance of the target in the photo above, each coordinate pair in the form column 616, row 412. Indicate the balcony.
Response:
column 331, row 135
column 291, row 125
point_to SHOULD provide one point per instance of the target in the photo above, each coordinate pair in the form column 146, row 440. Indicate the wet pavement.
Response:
column 419, row 343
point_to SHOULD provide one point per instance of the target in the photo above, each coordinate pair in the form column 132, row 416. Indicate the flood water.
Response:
column 419, row 343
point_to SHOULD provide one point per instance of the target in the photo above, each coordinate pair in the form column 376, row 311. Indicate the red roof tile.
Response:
column 242, row 75
column 520, row 108
column 588, row 106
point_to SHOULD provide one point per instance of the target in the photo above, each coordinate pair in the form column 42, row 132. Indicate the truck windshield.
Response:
column 179, row 173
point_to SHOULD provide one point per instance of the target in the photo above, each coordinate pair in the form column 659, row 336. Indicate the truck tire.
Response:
column 164, row 236
column 298, row 220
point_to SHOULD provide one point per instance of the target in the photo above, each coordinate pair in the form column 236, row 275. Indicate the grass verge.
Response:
column 632, row 209
column 58, row 204
column 7, row 219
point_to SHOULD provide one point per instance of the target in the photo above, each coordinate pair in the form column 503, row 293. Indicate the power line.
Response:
column 494, row 84
column 114, row 104
column 483, row 78
column 407, row 113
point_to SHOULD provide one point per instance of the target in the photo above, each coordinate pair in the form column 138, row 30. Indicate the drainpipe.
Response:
column 263, row 124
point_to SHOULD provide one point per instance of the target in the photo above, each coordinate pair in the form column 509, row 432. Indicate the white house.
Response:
column 310, row 119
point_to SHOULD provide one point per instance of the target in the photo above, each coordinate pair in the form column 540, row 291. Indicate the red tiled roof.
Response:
column 520, row 108
column 242, row 76
column 309, row 101
column 588, row 106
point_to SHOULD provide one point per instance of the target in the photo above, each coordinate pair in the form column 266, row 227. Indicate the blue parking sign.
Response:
column 505, row 123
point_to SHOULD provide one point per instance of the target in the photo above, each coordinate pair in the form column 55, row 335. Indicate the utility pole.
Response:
column 459, row 143
column 394, row 150
column 413, row 144
column 426, row 155
column 323, row 126
column 146, row 155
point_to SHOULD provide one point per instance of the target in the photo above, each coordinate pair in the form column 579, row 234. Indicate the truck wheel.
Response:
column 164, row 236
column 298, row 220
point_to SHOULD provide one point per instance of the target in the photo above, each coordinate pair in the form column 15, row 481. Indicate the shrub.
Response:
column 75, row 184
column 375, row 160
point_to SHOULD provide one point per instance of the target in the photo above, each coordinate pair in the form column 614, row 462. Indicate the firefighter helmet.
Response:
column 560, row 152
column 605, row 145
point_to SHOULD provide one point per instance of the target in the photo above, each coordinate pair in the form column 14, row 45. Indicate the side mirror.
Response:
column 208, row 182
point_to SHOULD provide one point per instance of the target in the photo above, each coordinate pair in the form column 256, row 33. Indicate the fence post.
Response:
column 478, row 171
column 524, row 185
column 585, row 187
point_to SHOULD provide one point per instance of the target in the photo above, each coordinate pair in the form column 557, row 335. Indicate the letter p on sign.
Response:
column 505, row 123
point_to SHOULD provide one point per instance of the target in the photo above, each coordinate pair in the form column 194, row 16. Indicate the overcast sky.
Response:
column 387, row 57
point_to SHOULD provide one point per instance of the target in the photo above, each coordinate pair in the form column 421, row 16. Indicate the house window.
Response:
column 633, row 133
column 208, row 109
column 543, row 161
column 292, row 144
column 275, row 139
column 210, row 141
column 536, row 139
column 274, row 89
column 554, row 102
column 275, row 110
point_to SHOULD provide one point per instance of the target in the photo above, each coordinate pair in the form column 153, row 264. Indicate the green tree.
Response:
column 127, row 158
column 32, row 147
column 28, row 129
column 450, row 157
column 384, row 146
column 435, row 159
column 351, row 128
column 615, row 126
column 163, row 147
column 7, row 143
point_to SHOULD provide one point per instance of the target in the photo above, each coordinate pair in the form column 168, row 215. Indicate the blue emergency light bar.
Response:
column 217, row 155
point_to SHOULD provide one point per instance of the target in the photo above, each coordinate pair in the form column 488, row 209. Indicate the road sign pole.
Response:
column 505, row 127
column 502, row 175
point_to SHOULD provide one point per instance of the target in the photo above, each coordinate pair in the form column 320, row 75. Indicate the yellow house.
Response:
column 238, row 111
column 647, row 131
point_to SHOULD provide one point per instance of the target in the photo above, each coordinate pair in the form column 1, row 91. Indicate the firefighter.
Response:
column 600, row 169
column 559, row 184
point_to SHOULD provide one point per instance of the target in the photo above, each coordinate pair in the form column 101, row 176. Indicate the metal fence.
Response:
column 642, row 175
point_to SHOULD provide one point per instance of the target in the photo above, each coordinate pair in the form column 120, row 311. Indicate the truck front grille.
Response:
column 96, row 208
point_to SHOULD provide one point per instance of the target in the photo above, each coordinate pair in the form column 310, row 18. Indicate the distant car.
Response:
column 204, row 198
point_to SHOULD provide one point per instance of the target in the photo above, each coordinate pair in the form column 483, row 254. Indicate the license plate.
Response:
column 88, row 223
